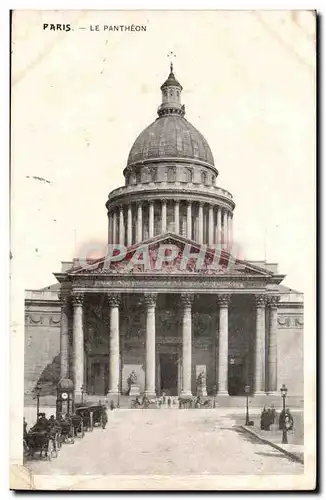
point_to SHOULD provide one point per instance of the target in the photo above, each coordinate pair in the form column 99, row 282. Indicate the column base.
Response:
column 259, row 393
column 112, row 393
column 150, row 394
column 272, row 393
column 222, row 393
column 185, row 394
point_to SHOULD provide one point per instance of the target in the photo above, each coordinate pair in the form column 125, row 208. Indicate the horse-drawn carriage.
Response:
column 46, row 442
column 92, row 416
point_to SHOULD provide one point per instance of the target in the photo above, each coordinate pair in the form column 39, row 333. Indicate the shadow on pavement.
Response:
column 270, row 454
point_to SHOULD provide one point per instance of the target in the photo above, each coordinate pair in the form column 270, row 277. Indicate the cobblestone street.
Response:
column 167, row 442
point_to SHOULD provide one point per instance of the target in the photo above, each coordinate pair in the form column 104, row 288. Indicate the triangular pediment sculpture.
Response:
column 169, row 254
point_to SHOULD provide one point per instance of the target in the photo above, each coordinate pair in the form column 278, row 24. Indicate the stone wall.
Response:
column 290, row 357
column 42, row 346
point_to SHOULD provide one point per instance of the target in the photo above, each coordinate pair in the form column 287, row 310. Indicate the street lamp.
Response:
column 247, row 390
column 82, row 393
column 37, row 389
column 284, row 428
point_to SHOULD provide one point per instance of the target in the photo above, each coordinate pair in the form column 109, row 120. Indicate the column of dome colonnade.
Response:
column 204, row 223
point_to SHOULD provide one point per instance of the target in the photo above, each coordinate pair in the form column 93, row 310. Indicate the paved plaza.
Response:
column 167, row 442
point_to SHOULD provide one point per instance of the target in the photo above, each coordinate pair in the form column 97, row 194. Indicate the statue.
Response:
column 201, row 379
column 201, row 384
column 132, row 379
column 133, row 387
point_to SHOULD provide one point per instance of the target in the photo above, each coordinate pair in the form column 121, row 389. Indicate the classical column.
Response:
column 163, row 220
column 150, row 302
column 223, row 344
column 64, row 338
column 189, row 221
column 230, row 229
column 139, row 222
column 114, row 302
column 272, row 345
column 218, row 226
column 176, row 217
column 109, row 227
column 78, row 342
column 114, row 226
column 121, row 227
column 210, row 226
column 200, row 223
column 187, row 300
column 129, row 226
column 225, row 227
column 260, row 345
column 151, row 220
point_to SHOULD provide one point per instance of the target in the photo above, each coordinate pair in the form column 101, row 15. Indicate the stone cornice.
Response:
column 178, row 190
column 174, row 160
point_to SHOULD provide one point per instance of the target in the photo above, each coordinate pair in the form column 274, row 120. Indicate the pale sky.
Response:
column 80, row 99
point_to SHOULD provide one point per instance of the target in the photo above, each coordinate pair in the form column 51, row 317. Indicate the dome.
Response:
column 170, row 136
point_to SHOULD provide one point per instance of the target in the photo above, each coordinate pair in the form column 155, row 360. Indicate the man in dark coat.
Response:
column 104, row 417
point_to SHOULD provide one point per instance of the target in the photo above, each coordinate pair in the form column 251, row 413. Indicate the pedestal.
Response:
column 134, row 390
column 201, row 390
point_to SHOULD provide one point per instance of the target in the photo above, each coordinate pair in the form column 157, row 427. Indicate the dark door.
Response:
column 169, row 374
column 236, row 382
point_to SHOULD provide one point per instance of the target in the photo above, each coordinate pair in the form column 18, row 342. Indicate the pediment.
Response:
column 170, row 254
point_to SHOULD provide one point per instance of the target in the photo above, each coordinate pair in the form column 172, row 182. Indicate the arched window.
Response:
column 188, row 175
column 171, row 174
column 145, row 175
column 203, row 178
column 138, row 178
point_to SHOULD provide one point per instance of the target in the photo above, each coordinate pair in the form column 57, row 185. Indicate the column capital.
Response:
column 224, row 300
column 64, row 298
column 164, row 201
column 151, row 202
column 187, row 299
column 150, row 299
column 261, row 300
column 114, row 300
column 139, row 203
column 273, row 301
column 77, row 299
column 201, row 203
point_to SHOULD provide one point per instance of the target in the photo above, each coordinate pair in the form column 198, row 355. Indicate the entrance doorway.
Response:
column 169, row 374
column 236, row 379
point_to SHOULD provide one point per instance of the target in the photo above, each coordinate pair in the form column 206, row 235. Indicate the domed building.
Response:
column 170, row 306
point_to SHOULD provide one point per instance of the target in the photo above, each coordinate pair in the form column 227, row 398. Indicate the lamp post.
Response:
column 247, row 390
column 82, row 393
column 38, row 389
column 284, row 428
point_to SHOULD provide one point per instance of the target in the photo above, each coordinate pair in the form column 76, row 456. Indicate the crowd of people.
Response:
column 268, row 417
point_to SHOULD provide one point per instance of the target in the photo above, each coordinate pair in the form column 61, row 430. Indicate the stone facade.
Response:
column 172, row 321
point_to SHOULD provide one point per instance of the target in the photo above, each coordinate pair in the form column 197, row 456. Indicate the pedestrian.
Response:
column 104, row 417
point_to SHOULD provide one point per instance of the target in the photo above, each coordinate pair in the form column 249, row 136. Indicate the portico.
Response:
column 167, row 328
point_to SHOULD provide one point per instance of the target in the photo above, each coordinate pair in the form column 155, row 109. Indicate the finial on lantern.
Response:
column 170, row 55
